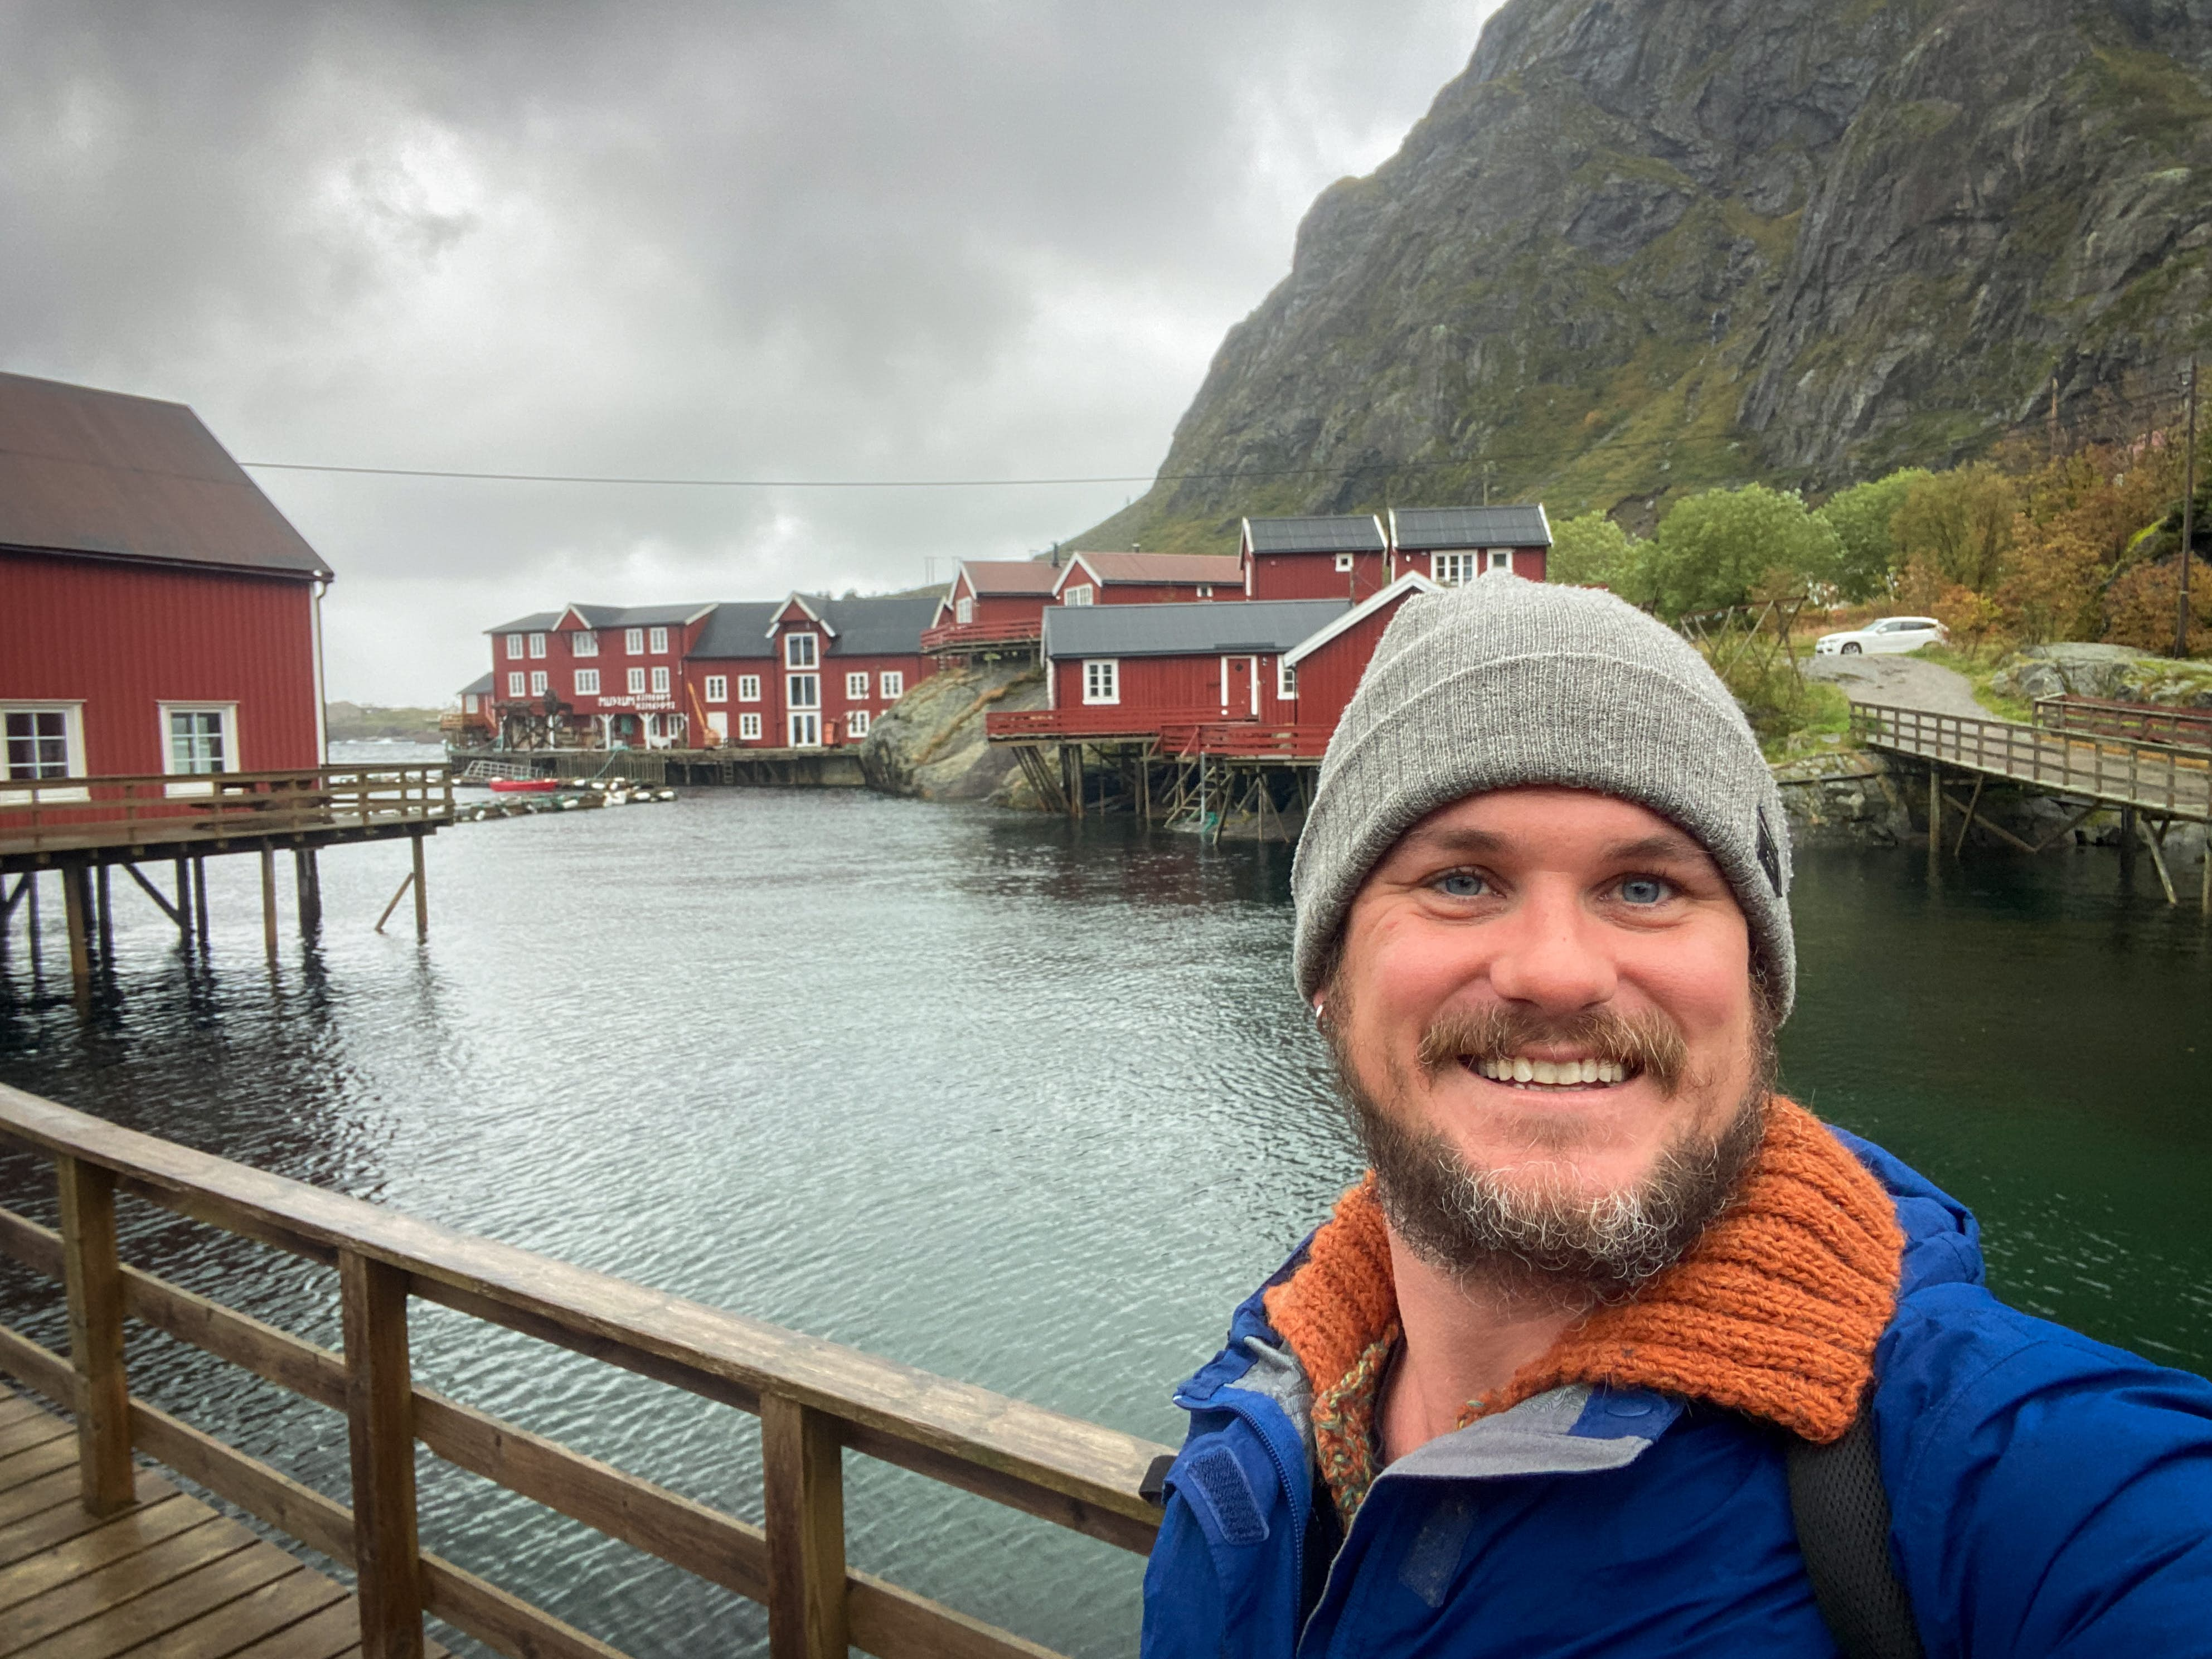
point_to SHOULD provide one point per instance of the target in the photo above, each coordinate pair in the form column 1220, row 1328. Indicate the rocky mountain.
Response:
column 1643, row 245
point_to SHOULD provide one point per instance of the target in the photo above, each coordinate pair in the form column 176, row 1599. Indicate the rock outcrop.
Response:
column 2117, row 672
column 931, row 743
column 1641, row 248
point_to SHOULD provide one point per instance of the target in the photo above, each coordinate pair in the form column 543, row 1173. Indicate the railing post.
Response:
column 93, row 1274
column 803, row 1479
column 380, row 1438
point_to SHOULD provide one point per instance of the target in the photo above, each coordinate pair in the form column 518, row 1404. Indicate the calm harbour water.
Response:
column 1023, row 1102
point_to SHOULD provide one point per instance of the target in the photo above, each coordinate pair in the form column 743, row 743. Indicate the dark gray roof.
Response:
column 637, row 615
column 478, row 686
column 739, row 629
column 104, row 473
column 1206, row 628
column 877, row 625
column 535, row 620
column 1422, row 529
column 1351, row 532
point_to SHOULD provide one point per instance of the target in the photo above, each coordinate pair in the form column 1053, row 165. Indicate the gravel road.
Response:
column 1900, row 681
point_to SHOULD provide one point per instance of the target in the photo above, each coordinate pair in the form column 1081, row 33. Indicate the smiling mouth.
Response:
column 1522, row 1072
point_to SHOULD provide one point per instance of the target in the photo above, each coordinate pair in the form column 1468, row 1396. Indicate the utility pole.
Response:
column 2188, row 517
column 2054, row 418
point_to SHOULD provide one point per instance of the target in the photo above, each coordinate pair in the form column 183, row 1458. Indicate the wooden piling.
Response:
column 200, row 902
column 422, row 893
column 269, row 902
column 184, row 911
column 104, row 907
column 73, row 908
column 309, row 881
column 1935, row 808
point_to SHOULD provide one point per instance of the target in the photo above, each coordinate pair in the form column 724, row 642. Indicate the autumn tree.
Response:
column 1864, row 519
column 1712, row 548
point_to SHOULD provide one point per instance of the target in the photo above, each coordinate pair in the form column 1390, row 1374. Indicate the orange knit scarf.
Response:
column 1774, row 1312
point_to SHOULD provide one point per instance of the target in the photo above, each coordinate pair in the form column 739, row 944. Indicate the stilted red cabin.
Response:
column 1453, row 544
column 1343, row 556
column 994, row 607
column 1147, row 579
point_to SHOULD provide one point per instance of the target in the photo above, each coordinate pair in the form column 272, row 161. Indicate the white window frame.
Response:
column 891, row 684
column 1102, row 679
column 230, row 757
column 584, row 642
column 657, row 643
column 1500, row 558
column 635, row 681
column 539, row 683
column 1082, row 593
column 964, row 611
column 749, row 728
column 1206, row 590
column 856, row 687
column 803, row 727
column 856, row 723
column 514, row 647
column 800, row 651
column 515, row 683
column 748, row 687
column 718, row 688
column 660, row 680
column 537, row 645
column 632, row 642
column 587, row 682
column 1287, row 680
column 72, row 715
column 1451, row 569
column 469, row 703
column 1344, row 561
column 802, row 691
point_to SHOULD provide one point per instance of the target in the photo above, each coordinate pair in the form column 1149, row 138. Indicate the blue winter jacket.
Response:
column 2049, row 1495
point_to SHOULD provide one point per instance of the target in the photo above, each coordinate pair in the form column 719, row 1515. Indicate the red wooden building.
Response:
column 1339, row 557
column 1129, row 669
column 157, row 613
column 994, row 606
column 808, row 671
column 1453, row 544
column 1324, row 669
column 1147, row 579
column 607, row 674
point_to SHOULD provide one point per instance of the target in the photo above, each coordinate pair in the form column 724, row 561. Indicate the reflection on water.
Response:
column 1020, row 1102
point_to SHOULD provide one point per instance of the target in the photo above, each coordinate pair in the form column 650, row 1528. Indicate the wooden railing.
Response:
column 814, row 1400
column 2174, row 783
column 74, row 813
column 980, row 635
column 1246, row 740
column 2179, row 728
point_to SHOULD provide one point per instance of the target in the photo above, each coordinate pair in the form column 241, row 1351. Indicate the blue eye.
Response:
column 1642, row 889
column 1462, row 884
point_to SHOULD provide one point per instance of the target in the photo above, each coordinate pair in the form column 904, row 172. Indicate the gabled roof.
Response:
column 1180, row 569
column 740, row 629
column 480, row 686
column 806, row 607
column 1201, row 628
column 1351, row 533
column 638, row 616
column 532, row 623
column 104, row 473
column 993, row 577
column 879, row 625
column 1424, row 529
column 1410, row 583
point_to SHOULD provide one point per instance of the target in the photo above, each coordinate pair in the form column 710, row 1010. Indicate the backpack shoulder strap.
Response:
column 1842, row 1512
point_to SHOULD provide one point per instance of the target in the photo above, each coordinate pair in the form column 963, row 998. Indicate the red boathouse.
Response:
column 160, row 615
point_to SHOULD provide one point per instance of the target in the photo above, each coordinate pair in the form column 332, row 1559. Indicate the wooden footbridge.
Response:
column 2154, row 766
column 85, row 1506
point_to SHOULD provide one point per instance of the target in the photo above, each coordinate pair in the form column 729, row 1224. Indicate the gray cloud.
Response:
column 810, row 241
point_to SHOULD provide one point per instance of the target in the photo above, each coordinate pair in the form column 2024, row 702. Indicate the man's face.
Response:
column 1544, row 998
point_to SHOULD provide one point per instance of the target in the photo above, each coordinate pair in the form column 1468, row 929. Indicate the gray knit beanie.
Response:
column 1504, row 682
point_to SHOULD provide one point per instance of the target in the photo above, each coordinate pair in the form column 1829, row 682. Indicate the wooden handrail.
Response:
column 66, row 814
column 817, row 1400
column 2156, row 778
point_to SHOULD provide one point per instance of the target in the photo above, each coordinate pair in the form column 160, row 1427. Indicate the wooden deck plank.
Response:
column 16, row 1408
column 111, row 1539
column 31, row 1498
column 106, row 1590
column 68, row 1520
column 38, row 1460
column 335, row 1630
column 146, row 1617
column 32, row 1431
column 262, row 1615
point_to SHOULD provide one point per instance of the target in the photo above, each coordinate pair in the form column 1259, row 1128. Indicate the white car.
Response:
column 1891, row 634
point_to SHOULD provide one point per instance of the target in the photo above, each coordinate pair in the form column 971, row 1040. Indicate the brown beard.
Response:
column 1547, row 1243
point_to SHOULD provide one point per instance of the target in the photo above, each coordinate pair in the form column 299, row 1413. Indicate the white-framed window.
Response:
column 537, row 645
column 1344, row 561
column 1206, row 590
column 199, row 738
column 964, row 611
column 856, row 723
column 514, row 647
column 1080, row 594
column 43, row 740
column 806, row 731
column 892, row 684
column 661, row 682
column 469, row 702
column 538, row 683
column 658, row 643
column 749, row 728
column 1501, row 558
column 584, row 642
column 515, row 683
column 587, row 682
column 634, row 679
column 1287, row 679
column 717, row 688
column 802, row 691
column 748, row 688
column 1102, row 679
column 798, row 650
column 856, row 686
column 1450, row 569
column 632, row 642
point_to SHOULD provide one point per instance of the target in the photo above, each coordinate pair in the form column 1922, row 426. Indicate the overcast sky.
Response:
column 802, row 241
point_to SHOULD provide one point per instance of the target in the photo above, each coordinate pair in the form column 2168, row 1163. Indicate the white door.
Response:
column 806, row 731
column 719, row 723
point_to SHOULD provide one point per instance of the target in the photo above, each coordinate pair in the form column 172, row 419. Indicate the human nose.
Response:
column 1552, row 954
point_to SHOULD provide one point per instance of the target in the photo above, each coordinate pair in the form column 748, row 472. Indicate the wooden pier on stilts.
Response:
column 82, row 831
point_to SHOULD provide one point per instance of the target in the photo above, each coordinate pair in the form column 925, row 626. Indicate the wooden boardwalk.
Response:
column 168, row 1578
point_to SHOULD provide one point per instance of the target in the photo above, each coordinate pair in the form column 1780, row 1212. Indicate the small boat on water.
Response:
column 525, row 785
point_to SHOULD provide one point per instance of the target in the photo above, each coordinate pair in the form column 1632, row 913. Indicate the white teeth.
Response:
column 1523, row 1070
column 1589, row 1070
column 1556, row 1073
column 1545, row 1071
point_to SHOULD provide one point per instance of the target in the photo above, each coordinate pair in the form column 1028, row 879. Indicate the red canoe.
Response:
column 525, row 785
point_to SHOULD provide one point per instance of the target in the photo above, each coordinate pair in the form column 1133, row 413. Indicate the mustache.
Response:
column 1645, row 1042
